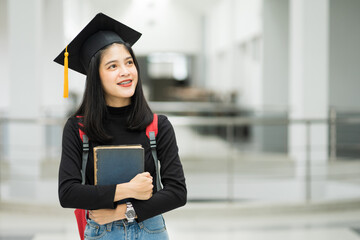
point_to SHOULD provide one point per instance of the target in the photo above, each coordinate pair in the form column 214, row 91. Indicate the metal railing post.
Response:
column 1, row 153
column 333, row 136
column 230, row 161
column 308, row 162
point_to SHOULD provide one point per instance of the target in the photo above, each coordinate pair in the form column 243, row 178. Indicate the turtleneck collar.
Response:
column 119, row 111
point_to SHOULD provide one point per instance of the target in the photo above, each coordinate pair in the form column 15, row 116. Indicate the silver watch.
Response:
column 130, row 212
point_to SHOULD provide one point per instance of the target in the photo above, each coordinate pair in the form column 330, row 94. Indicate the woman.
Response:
column 115, row 112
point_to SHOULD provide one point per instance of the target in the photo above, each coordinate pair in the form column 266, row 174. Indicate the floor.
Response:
column 248, row 178
column 344, row 225
column 198, row 221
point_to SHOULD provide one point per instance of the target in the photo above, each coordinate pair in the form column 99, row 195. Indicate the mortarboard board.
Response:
column 101, row 31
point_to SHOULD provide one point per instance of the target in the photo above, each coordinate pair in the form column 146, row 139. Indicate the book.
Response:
column 117, row 164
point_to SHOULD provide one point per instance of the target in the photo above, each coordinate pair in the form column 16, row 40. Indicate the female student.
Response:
column 115, row 112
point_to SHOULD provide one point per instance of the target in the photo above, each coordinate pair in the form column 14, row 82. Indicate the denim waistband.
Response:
column 108, row 226
column 152, row 228
column 123, row 222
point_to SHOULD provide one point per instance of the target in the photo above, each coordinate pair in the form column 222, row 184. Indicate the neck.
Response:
column 118, row 102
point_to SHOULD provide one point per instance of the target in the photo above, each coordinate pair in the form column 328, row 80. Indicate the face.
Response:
column 118, row 75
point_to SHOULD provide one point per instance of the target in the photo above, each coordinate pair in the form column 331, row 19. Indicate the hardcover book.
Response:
column 117, row 164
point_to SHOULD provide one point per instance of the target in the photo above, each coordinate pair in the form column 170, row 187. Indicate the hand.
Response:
column 104, row 216
column 141, row 186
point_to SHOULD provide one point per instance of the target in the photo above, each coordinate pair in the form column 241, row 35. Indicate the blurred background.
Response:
column 263, row 96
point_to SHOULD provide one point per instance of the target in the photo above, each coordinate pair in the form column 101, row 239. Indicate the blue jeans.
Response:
column 152, row 228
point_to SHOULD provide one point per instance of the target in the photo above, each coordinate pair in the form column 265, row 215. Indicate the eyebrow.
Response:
column 112, row 61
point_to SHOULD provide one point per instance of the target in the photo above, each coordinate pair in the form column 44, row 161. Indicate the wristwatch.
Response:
column 130, row 212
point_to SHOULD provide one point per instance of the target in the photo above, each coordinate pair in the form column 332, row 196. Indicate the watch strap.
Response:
column 130, row 212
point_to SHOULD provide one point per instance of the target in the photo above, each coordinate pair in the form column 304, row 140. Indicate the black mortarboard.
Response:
column 101, row 31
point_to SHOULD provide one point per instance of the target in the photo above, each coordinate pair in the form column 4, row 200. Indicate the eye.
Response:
column 112, row 66
column 130, row 62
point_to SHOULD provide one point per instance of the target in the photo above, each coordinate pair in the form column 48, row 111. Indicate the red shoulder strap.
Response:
column 153, row 126
column 81, row 132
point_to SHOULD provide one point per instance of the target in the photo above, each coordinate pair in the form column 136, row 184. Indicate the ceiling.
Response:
column 198, row 5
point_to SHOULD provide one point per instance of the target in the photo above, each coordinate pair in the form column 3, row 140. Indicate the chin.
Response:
column 127, row 95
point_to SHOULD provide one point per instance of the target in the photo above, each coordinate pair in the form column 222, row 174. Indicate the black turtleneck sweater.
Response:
column 73, row 194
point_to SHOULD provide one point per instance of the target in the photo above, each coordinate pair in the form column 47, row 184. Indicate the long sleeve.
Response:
column 72, row 194
column 174, row 193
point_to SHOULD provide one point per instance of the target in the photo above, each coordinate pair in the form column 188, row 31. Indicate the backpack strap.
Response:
column 83, row 214
column 85, row 152
column 85, row 156
column 151, row 133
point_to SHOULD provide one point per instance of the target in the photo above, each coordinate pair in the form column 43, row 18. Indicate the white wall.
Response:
column 248, row 19
column 344, row 62
column 39, row 39
column 24, row 59
column 275, row 54
column 219, row 41
column 166, row 25
column 231, row 27
column 274, row 75
column 4, row 79
column 52, row 43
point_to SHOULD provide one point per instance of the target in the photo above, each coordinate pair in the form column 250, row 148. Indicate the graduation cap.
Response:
column 100, row 32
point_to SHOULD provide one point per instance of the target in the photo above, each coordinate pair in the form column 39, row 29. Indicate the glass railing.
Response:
column 225, row 158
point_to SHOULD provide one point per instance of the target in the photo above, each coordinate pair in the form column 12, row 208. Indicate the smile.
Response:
column 126, row 83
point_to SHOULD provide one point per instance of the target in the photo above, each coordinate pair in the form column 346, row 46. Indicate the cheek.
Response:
column 102, row 77
column 106, row 79
column 135, row 75
column 107, row 86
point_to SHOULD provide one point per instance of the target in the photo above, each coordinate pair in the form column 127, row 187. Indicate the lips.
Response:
column 125, row 83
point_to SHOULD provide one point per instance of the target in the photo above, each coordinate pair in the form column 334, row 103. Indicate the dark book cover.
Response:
column 117, row 164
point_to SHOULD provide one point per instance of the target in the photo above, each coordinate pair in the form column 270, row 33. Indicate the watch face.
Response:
column 130, row 213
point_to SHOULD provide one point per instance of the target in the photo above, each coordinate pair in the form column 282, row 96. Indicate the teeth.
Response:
column 126, row 82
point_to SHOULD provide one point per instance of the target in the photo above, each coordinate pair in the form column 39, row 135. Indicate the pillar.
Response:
column 308, row 93
column 25, row 140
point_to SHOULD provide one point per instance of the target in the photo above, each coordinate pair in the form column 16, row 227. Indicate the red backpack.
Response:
column 151, row 133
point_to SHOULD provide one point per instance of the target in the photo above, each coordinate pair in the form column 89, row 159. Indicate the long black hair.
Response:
column 93, row 107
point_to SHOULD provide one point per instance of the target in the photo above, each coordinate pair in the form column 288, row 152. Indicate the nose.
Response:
column 124, row 71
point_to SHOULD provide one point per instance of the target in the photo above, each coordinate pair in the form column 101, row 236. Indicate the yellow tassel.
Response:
column 66, row 77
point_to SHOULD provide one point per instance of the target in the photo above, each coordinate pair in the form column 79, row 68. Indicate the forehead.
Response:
column 115, row 50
